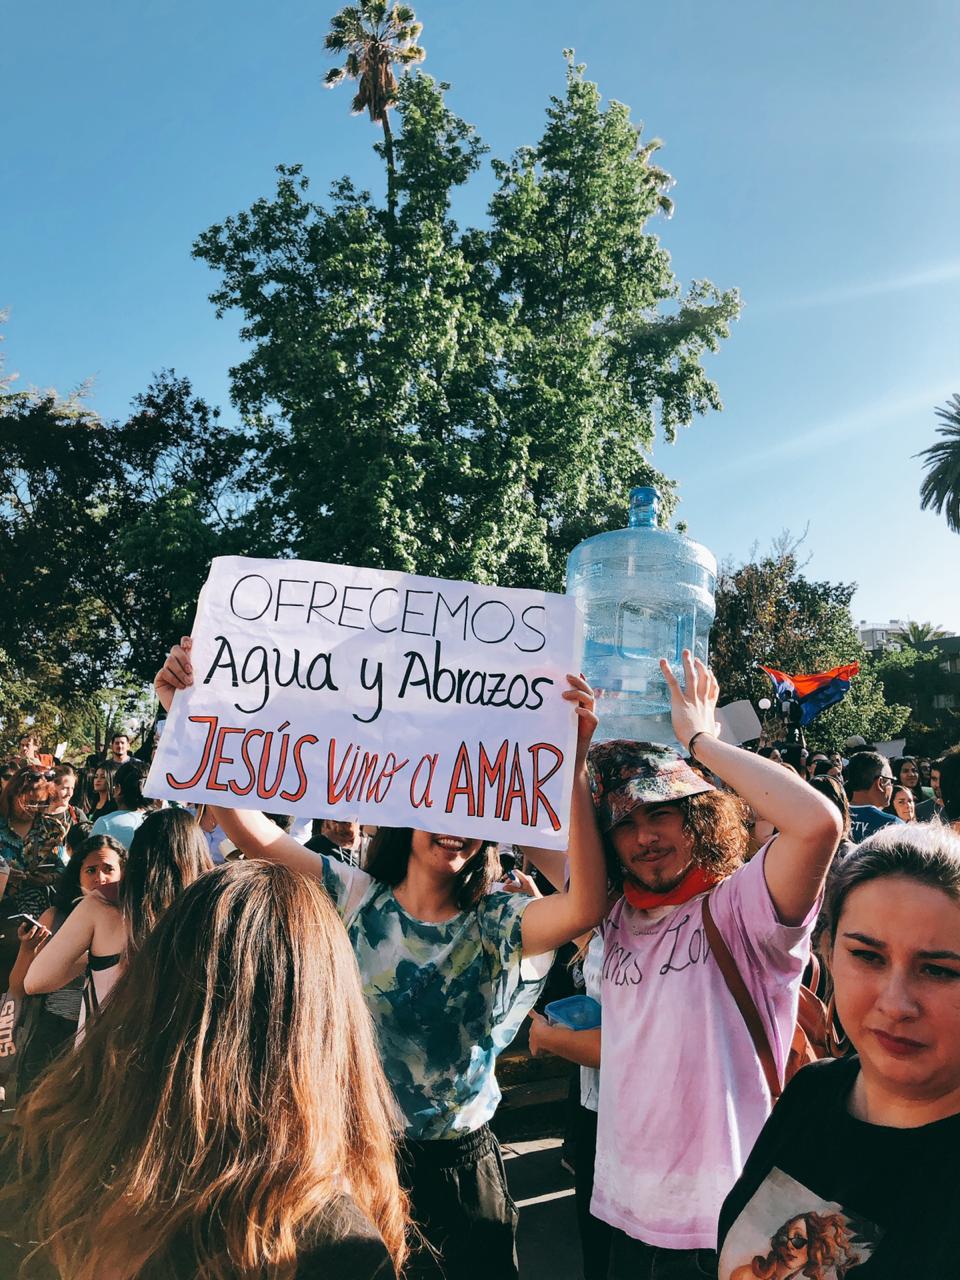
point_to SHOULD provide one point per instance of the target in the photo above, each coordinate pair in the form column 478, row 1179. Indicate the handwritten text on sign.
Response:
column 332, row 691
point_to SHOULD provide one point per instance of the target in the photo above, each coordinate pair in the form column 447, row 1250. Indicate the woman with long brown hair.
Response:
column 226, row 1117
column 444, row 965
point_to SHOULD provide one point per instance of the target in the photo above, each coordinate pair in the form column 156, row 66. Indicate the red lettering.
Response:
column 517, row 790
column 426, row 799
column 492, row 772
column 211, row 723
column 457, row 788
column 539, row 783
column 245, row 755
column 213, row 783
column 307, row 740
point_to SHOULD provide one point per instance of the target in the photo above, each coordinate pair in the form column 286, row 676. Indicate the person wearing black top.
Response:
column 854, row 1174
column 335, row 839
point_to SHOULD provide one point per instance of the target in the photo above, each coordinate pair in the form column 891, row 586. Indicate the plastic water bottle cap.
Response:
column 644, row 507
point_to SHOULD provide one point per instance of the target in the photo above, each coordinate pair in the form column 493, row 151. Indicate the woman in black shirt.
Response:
column 854, row 1174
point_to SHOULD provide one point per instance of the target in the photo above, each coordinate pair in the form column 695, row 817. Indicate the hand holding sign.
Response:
column 405, row 701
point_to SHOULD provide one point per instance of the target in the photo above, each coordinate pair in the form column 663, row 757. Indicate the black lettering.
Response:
column 377, row 684
column 373, row 600
column 535, row 692
column 532, row 608
column 351, row 608
column 287, row 604
column 492, row 604
column 253, row 617
column 262, row 674
column 225, row 648
column 451, row 613
column 314, row 608
column 414, row 660
column 408, row 612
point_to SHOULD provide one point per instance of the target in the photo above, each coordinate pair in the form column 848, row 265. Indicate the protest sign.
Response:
column 738, row 723
column 331, row 691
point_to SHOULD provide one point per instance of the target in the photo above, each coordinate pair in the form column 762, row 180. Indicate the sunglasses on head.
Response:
column 41, row 775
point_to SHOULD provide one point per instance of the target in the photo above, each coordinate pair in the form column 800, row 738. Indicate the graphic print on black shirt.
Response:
column 786, row 1231
column 814, row 1156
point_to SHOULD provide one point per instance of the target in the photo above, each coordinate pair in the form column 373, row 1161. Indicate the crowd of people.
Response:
column 247, row 1046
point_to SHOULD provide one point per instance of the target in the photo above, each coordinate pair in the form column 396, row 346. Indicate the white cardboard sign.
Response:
column 738, row 722
column 331, row 691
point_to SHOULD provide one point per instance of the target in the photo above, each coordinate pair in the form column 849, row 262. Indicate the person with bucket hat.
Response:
column 683, row 1094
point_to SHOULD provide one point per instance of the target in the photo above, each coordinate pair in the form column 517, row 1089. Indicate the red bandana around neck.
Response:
column 696, row 881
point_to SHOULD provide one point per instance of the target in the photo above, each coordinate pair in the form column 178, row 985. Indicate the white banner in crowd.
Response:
column 403, row 701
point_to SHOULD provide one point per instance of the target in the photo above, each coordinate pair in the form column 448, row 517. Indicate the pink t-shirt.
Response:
column 682, row 1093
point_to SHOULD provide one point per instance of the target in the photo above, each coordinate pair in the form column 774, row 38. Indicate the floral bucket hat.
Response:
column 624, row 774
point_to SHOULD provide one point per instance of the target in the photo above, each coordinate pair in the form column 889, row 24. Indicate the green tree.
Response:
column 106, row 533
column 769, row 614
column 917, row 634
column 941, row 485
column 375, row 38
column 466, row 403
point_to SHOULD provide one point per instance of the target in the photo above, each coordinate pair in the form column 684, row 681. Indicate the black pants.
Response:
column 633, row 1260
column 594, row 1235
column 460, row 1202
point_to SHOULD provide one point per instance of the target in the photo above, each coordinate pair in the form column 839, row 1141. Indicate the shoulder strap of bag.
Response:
column 743, row 1000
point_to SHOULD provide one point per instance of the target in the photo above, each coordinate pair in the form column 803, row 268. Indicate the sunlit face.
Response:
column 100, row 781
column 65, row 788
column 904, row 805
column 909, row 774
column 28, row 747
column 775, row 757
column 443, row 855
column 896, row 971
column 120, row 746
column 795, row 1243
column 653, row 847
column 98, row 869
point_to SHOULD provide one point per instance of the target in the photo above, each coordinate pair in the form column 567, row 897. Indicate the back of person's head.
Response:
column 168, row 852
column 823, row 767
column 128, row 785
column 227, row 1094
column 828, row 786
column 863, row 770
column 950, row 784
column 69, row 888
column 76, row 835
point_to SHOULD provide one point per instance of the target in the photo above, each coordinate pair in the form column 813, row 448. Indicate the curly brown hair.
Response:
column 717, row 823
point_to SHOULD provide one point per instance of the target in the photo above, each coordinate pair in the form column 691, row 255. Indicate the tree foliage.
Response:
column 106, row 534
column 941, row 485
column 770, row 614
column 466, row 403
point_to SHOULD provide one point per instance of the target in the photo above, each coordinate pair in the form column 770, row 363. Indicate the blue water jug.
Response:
column 645, row 594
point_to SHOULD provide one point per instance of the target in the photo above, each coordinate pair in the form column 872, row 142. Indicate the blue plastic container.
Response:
column 579, row 1013
column 645, row 593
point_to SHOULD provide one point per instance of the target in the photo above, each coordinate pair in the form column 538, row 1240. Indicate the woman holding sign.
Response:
column 446, row 974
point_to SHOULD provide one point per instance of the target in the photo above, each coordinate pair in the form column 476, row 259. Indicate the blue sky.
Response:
column 815, row 154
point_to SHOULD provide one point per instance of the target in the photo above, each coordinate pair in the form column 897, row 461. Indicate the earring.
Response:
column 836, row 1046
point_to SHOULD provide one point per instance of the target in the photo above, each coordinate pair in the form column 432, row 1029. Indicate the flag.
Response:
column 816, row 692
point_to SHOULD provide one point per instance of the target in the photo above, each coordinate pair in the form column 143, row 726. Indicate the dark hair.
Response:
column 129, row 780
column 897, row 766
column 76, row 835
column 389, row 854
column 863, row 770
column 822, row 767
column 167, row 853
column 119, row 734
column 68, row 890
column 950, row 783
column 767, row 752
column 61, row 771
column 895, row 790
column 828, row 786
column 926, row 852
column 90, row 796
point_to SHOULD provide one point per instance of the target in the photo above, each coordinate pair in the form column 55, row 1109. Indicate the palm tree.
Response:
column 916, row 634
column 373, row 38
column 941, row 486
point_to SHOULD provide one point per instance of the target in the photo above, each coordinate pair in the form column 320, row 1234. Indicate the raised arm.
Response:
column 64, row 956
column 549, row 922
column 810, row 827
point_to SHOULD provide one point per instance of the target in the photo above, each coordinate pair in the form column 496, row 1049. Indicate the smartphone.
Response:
column 22, row 915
